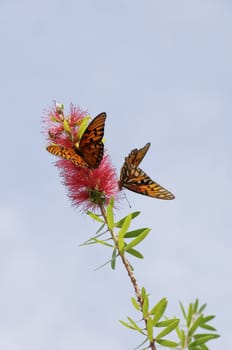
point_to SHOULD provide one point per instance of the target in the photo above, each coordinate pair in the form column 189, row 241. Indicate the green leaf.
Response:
column 195, row 325
column 66, row 126
column 158, row 310
column 203, row 338
column 190, row 314
column 183, row 338
column 109, row 214
column 178, row 332
column 195, row 306
column 135, row 253
column 202, row 308
column 120, row 222
column 126, row 324
column 95, row 217
column 101, row 266
column 122, row 231
column 135, row 304
column 208, row 327
column 113, row 260
column 150, row 329
column 138, row 239
column 168, row 329
column 145, row 306
column 203, row 335
column 100, row 228
column 165, row 323
column 207, row 319
column 143, row 292
column 183, row 310
column 135, row 233
column 140, row 345
column 134, row 324
column 83, row 126
column 103, row 242
column 167, row 343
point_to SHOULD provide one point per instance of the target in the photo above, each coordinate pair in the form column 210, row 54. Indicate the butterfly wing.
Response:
column 136, row 155
column 136, row 180
column 67, row 153
column 91, row 147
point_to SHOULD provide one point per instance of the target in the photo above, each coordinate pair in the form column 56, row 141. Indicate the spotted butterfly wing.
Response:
column 136, row 155
column 136, row 180
column 91, row 147
column 90, row 151
column 67, row 153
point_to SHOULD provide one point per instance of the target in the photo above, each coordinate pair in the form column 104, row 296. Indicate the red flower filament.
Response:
column 87, row 188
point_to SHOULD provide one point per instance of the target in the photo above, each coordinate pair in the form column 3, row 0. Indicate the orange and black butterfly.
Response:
column 90, row 150
column 136, row 180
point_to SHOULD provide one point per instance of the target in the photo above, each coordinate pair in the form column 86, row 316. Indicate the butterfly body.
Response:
column 90, row 149
column 136, row 180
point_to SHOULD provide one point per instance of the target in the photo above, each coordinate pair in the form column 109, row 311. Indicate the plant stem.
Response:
column 128, row 269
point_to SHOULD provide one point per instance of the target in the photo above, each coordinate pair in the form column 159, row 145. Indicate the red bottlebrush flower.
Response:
column 87, row 188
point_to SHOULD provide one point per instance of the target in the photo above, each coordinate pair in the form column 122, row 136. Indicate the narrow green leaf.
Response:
column 183, row 310
column 101, row 266
column 122, row 231
column 134, row 324
column 203, row 339
column 167, row 343
column 120, row 222
column 83, row 126
column 168, row 329
column 121, row 244
column 190, row 314
column 135, row 233
column 165, row 323
column 100, row 228
column 135, row 303
column 157, row 306
column 150, row 329
column 125, row 225
column 145, row 306
column 109, row 214
column 95, row 217
column 135, row 253
column 202, row 308
column 208, row 327
column 113, row 259
column 206, row 335
column 138, row 239
column 66, row 126
column 183, row 338
column 103, row 242
column 140, row 345
column 126, row 324
column 195, row 306
column 204, row 347
column 158, row 310
column 143, row 292
column 207, row 319
column 178, row 332
column 195, row 325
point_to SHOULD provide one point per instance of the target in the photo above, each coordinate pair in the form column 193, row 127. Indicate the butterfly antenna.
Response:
column 127, row 199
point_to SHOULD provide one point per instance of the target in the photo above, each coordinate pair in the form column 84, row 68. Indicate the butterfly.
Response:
column 90, row 150
column 136, row 180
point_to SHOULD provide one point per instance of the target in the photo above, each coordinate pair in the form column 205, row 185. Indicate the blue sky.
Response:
column 162, row 71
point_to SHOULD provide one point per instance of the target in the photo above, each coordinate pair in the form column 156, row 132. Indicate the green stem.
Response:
column 128, row 269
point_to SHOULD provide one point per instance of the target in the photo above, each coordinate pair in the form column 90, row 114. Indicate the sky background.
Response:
column 162, row 71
